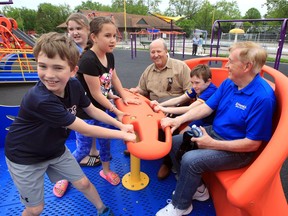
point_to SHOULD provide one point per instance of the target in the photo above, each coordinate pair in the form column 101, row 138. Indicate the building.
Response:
column 134, row 22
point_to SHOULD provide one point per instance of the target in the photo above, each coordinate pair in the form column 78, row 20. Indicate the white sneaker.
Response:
column 170, row 210
column 202, row 193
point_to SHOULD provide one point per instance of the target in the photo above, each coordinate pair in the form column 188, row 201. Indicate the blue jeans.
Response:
column 195, row 162
column 84, row 144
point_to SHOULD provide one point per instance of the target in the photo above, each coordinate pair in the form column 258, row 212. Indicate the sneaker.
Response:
column 202, row 193
column 171, row 210
column 107, row 212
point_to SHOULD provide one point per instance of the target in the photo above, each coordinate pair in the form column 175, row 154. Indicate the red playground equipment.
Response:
column 17, row 63
column 12, row 37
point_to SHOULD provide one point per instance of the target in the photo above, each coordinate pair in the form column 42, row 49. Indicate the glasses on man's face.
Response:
column 170, row 82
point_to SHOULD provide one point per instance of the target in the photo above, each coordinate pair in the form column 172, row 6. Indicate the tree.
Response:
column 205, row 17
column 252, row 13
column 24, row 17
column 89, row 5
column 252, row 27
column 134, row 6
column 186, row 8
column 29, row 17
column 204, row 14
column 225, row 10
column 49, row 17
column 153, row 5
column 276, row 9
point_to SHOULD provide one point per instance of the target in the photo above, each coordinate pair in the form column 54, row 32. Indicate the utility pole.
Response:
column 125, row 24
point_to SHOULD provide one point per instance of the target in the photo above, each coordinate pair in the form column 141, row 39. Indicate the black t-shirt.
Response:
column 89, row 64
column 39, row 131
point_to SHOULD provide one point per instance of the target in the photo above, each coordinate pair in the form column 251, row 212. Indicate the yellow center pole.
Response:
column 135, row 180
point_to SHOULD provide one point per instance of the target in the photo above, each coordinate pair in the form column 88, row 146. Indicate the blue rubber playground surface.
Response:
column 124, row 202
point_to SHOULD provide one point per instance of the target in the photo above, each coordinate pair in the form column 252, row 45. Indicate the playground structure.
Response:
column 216, row 28
column 152, row 34
column 219, row 42
column 157, row 33
column 17, row 62
column 5, row 2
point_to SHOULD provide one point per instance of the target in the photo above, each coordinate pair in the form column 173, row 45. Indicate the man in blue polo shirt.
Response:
column 244, row 105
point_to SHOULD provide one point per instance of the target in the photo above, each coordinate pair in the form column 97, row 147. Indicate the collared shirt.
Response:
column 245, row 113
column 204, row 94
column 195, row 41
column 155, row 83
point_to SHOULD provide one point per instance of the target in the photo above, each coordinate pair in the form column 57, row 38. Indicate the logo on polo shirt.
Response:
column 240, row 106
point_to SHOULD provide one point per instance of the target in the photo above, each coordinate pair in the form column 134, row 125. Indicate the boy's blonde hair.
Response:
column 53, row 43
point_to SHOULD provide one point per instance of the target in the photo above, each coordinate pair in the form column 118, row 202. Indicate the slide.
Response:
column 23, row 36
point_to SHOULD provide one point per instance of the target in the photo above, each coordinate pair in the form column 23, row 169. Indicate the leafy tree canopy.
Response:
column 199, row 14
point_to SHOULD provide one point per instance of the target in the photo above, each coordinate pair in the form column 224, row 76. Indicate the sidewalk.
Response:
column 271, row 48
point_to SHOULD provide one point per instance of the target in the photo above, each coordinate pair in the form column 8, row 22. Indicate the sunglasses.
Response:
column 170, row 82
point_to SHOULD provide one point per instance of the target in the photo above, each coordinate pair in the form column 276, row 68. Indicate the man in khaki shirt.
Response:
column 166, row 77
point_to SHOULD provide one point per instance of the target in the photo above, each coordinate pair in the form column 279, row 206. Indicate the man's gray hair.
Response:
column 161, row 40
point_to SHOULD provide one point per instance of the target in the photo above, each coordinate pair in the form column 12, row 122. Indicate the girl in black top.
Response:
column 97, row 74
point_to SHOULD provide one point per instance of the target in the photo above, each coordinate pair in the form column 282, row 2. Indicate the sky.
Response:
column 33, row 4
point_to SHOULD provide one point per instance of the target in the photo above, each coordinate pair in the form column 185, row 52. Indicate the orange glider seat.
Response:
column 146, row 124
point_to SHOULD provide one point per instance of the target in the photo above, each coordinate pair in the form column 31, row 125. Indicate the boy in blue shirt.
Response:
column 202, row 89
column 35, row 144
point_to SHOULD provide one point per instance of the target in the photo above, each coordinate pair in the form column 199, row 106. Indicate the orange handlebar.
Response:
column 146, row 124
